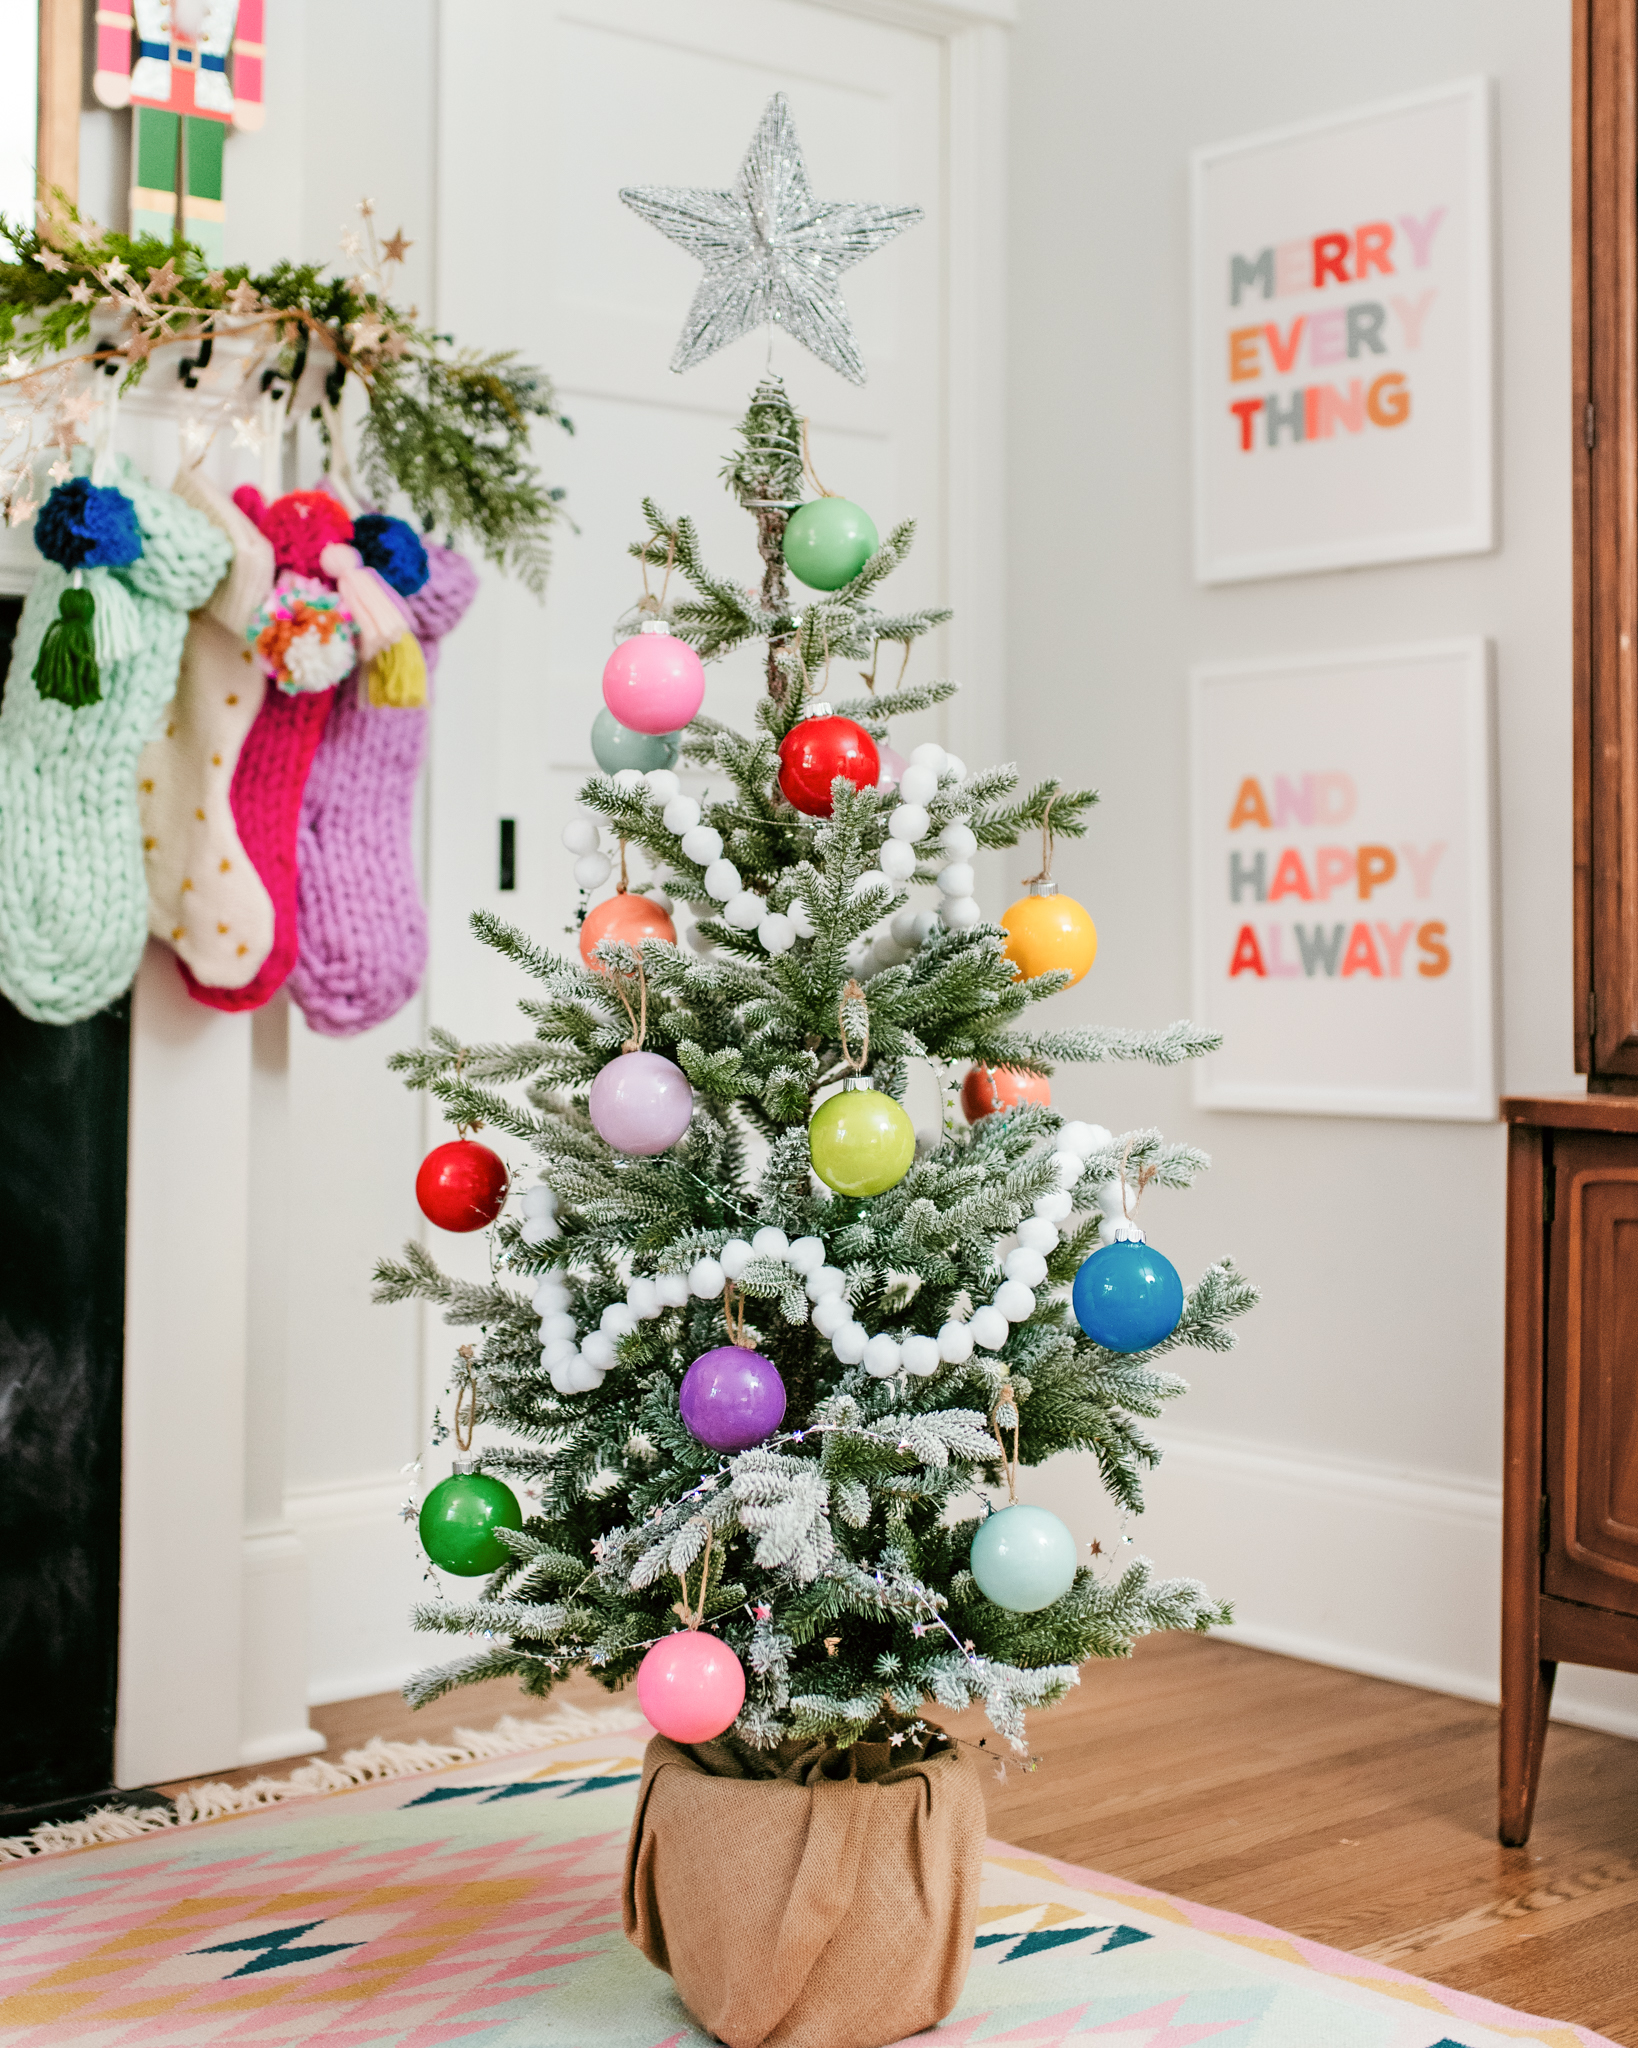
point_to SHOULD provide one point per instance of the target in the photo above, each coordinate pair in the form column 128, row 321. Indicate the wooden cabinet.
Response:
column 1570, row 1503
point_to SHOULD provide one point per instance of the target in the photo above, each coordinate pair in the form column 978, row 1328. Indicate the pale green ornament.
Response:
column 1023, row 1559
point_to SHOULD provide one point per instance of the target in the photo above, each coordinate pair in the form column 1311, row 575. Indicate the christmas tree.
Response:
column 903, row 1303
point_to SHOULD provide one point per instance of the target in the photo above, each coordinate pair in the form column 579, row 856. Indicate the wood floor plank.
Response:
column 1345, row 1809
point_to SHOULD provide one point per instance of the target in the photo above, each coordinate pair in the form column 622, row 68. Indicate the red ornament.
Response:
column 627, row 916
column 461, row 1185
column 814, row 753
column 987, row 1089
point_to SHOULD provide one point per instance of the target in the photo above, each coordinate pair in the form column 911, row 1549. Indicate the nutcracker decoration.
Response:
column 175, row 81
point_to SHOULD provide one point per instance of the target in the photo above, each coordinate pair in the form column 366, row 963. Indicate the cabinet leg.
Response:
column 1523, row 1736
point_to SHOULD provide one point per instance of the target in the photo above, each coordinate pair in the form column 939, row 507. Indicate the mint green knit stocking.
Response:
column 73, row 891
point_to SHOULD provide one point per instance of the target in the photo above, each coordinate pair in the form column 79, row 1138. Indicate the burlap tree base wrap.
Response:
column 807, row 1897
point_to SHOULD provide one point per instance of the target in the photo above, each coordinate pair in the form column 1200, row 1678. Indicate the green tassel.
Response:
column 66, row 670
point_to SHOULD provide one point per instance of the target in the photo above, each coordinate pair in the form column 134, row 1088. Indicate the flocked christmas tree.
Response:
column 762, row 1360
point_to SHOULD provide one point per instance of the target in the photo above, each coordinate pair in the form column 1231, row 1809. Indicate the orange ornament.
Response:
column 1047, row 931
column 629, row 917
column 987, row 1089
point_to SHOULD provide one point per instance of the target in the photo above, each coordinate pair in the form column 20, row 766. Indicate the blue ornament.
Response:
column 393, row 550
column 1127, row 1296
column 1023, row 1559
column 616, row 746
column 83, row 525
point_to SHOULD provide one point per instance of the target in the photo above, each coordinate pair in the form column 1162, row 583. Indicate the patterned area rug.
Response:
column 480, row 1903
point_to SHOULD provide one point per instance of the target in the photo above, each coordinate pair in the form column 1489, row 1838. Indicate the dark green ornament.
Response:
column 459, row 1518
column 828, row 541
column 616, row 746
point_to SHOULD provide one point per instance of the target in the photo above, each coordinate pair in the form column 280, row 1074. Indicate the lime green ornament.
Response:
column 860, row 1141
column 459, row 1518
column 828, row 541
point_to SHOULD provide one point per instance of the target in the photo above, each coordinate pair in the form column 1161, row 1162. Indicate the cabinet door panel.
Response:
column 1592, row 1391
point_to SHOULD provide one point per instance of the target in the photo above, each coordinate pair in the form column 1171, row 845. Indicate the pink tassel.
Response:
column 370, row 600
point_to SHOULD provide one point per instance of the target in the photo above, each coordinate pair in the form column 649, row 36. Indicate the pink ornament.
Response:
column 641, row 1104
column 691, row 1686
column 893, row 766
column 653, row 682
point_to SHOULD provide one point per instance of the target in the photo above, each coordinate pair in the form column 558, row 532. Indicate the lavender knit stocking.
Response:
column 361, row 923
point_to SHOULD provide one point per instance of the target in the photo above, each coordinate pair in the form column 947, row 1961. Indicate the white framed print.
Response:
column 1343, row 856
column 1343, row 340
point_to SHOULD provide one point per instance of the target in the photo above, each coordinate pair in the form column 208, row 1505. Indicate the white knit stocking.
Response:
column 205, row 897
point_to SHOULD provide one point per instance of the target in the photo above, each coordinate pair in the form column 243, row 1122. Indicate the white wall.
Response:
column 1338, row 1475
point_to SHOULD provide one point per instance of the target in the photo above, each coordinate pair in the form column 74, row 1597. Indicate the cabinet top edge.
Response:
column 1573, row 1112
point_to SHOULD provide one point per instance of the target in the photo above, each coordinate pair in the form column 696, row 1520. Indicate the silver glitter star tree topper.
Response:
column 773, row 254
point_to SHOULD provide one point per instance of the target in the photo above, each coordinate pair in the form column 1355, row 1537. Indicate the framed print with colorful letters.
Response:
column 1343, row 408
column 1343, row 857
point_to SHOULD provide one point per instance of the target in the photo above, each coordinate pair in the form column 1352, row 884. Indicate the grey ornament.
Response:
column 772, row 254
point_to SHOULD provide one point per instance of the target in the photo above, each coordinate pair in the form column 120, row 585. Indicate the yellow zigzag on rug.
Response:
column 377, row 1760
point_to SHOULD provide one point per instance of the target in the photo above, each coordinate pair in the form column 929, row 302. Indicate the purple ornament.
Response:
column 732, row 1398
column 641, row 1103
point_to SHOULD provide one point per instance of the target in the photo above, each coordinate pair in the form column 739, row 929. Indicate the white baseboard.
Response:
column 268, row 1749
column 364, row 1575
column 1395, row 1574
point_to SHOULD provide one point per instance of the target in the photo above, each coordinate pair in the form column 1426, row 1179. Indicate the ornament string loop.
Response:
column 807, row 464
column 466, row 1400
column 693, row 1616
column 1009, row 1465
column 648, row 602
column 467, row 1126
column 733, row 1299
column 853, row 993
column 1145, row 1174
column 639, row 1017
column 625, row 885
column 1046, row 839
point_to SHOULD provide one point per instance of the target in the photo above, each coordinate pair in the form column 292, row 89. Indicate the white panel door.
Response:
column 545, row 116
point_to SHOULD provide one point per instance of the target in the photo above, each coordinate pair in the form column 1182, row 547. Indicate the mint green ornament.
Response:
column 860, row 1141
column 1023, row 1559
column 828, row 541
column 616, row 746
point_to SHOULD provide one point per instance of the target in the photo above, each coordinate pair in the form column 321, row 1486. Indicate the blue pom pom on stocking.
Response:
column 81, row 526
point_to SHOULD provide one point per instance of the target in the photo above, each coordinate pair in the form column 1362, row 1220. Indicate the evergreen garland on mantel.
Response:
column 835, row 1555
column 448, row 428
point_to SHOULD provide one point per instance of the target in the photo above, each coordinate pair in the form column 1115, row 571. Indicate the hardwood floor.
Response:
column 1346, row 1809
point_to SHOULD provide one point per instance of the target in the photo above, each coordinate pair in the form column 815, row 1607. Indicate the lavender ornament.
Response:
column 641, row 1104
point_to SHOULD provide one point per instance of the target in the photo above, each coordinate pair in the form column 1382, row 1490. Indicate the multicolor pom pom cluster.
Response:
column 304, row 637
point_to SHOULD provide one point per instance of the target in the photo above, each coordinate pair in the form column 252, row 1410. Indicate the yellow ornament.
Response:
column 1046, row 931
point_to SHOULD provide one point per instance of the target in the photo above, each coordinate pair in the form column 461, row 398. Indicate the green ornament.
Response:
column 860, row 1141
column 828, row 541
column 459, row 1518
column 616, row 746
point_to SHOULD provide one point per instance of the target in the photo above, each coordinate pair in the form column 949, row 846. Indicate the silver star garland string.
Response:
column 773, row 255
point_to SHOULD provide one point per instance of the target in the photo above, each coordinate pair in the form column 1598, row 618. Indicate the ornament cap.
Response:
column 655, row 626
column 1043, row 887
column 858, row 1084
column 463, row 1466
column 819, row 711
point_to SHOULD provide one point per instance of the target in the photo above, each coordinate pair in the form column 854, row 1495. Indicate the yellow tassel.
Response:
column 398, row 675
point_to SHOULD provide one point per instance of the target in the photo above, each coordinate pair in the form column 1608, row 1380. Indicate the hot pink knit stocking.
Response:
column 363, row 929
column 266, row 798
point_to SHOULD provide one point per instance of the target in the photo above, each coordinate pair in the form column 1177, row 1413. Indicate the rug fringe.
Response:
column 377, row 1760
